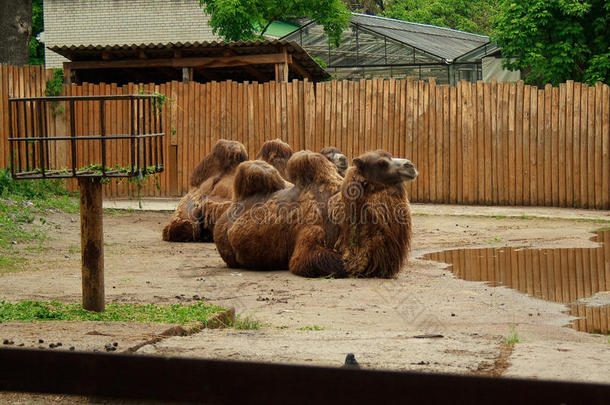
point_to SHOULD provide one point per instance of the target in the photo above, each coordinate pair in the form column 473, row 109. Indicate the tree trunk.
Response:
column 15, row 31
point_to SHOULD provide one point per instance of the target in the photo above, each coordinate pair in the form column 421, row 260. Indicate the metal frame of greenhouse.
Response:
column 375, row 46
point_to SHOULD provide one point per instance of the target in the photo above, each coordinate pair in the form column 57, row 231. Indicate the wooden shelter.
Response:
column 241, row 61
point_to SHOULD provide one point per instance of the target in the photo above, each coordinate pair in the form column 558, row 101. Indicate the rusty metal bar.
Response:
column 10, row 134
column 133, row 125
column 103, row 133
column 234, row 382
column 161, row 138
column 46, row 132
column 86, row 98
column 138, row 132
column 88, row 137
column 41, row 143
column 33, row 128
column 150, row 123
column 25, row 135
column 73, row 137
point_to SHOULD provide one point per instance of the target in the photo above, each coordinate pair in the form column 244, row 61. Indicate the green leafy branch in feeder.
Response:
column 54, row 88
column 158, row 101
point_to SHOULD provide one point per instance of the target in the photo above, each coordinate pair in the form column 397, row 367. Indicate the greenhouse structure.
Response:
column 375, row 46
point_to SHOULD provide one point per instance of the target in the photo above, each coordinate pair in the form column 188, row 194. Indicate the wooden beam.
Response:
column 300, row 70
column 106, row 55
column 253, row 72
column 207, row 62
column 142, row 54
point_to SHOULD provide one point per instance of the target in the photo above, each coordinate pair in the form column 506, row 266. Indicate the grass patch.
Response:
column 22, row 207
column 513, row 337
column 246, row 323
column 30, row 311
column 498, row 216
column 312, row 327
column 492, row 240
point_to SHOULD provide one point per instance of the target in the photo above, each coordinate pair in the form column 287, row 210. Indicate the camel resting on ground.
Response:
column 322, row 225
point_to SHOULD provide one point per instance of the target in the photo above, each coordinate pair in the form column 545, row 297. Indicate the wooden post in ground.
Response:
column 92, row 243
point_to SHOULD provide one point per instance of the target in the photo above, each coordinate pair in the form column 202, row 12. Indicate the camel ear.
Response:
column 358, row 163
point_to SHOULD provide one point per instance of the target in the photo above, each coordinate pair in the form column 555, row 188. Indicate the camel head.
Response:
column 337, row 158
column 379, row 167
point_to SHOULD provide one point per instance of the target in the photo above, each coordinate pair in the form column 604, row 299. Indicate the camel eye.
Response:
column 382, row 164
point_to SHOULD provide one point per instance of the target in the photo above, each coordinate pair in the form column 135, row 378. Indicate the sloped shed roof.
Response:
column 195, row 49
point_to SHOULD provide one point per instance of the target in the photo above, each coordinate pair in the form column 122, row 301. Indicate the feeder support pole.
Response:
column 92, row 243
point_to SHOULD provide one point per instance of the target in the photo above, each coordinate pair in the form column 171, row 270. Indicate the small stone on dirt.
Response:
column 40, row 341
column 72, row 348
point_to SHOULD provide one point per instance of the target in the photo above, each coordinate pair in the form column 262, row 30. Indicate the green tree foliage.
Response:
column 238, row 20
column 466, row 15
column 374, row 7
column 36, row 48
column 552, row 41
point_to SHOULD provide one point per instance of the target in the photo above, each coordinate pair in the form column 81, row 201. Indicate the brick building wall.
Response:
column 112, row 22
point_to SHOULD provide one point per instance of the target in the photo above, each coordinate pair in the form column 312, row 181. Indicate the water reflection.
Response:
column 559, row 275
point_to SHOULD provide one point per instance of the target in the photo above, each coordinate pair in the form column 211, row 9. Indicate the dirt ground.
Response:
column 318, row 321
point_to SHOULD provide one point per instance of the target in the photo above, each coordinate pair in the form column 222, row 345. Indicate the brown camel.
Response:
column 211, row 179
column 212, row 192
column 322, row 225
column 337, row 158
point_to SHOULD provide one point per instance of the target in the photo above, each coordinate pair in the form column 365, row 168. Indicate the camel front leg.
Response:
column 311, row 258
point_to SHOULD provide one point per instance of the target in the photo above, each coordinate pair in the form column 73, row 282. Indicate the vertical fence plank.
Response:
column 591, row 149
column 451, row 166
column 569, row 144
column 598, row 145
column 606, row 149
column 438, row 133
column 446, row 147
column 526, row 168
column 561, row 144
column 533, row 143
column 518, row 168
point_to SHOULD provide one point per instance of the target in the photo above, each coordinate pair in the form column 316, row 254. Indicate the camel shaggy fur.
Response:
column 337, row 158
column 321, row 225
column 276, row 152
column 212, row 188
column 211, row 179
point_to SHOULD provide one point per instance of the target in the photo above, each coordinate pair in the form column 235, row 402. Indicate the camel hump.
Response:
column 273, row 149
column 306, row 167
column 224, row 156
column 256, row 177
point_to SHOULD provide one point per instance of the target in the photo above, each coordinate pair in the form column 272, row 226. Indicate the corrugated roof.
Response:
column 192, row 49
column 443, row 42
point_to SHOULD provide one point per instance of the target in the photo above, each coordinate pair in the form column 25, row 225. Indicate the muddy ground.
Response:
column 318, row 321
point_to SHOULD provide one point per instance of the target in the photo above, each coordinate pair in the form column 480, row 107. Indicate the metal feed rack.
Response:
column 35, row 151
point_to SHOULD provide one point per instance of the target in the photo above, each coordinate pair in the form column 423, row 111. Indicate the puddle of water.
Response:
column 558, row 275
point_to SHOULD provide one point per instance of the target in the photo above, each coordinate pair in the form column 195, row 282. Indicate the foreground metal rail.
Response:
column 226, row 382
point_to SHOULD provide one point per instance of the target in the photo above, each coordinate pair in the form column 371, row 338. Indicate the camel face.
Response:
column 337, row 158
column 381, row 168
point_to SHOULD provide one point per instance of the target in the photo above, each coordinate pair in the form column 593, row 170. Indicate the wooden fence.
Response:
column 483, row 143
